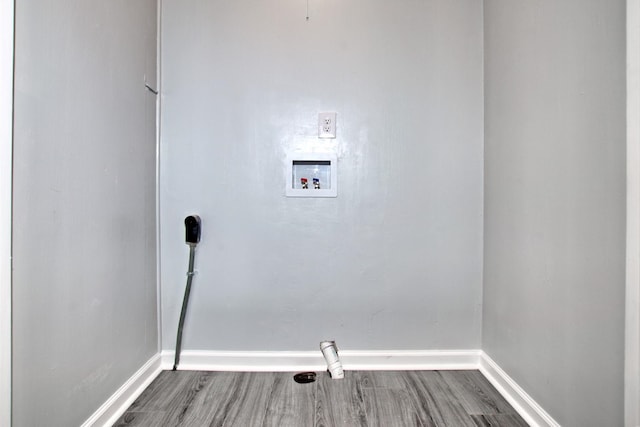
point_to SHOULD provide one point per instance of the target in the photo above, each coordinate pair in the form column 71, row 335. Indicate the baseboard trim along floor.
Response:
column 291, row 361
column 524, row 404
column 118, row 403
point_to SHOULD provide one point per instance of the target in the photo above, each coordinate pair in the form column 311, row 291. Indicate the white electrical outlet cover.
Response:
column 327, row 125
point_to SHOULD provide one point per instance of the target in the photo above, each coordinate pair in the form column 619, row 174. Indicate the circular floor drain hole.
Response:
column 305, row 377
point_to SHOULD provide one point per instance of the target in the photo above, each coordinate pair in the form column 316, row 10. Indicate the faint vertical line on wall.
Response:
column 158, row 130
column 482, row 201
column 6, row 156
column 632, row 312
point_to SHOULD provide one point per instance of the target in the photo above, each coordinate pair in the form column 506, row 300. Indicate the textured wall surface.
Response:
column 84, row 283
column 395, row 261
column 6, row 145
column 554, row 272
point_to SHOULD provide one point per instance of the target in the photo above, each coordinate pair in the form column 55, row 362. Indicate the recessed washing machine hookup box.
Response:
column 311, row 175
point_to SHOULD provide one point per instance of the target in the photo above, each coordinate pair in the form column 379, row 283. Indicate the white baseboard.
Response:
column 293, row 361
column 524, row 404
column 118, row 403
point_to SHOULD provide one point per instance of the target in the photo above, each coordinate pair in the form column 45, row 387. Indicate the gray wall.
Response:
column 84, row 284
column 394, row 262
column 555, row 203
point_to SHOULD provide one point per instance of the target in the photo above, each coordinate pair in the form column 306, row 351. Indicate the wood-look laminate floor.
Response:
column 362, row 398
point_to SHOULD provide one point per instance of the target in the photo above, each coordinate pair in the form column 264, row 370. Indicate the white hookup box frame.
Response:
column 320, row 166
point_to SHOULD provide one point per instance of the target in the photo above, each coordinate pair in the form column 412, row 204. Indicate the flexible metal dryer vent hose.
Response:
column 192, row 225
column 185, row 302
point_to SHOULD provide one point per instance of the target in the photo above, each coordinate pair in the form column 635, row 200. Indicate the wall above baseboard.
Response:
column 118, row 403
column 524, row 404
